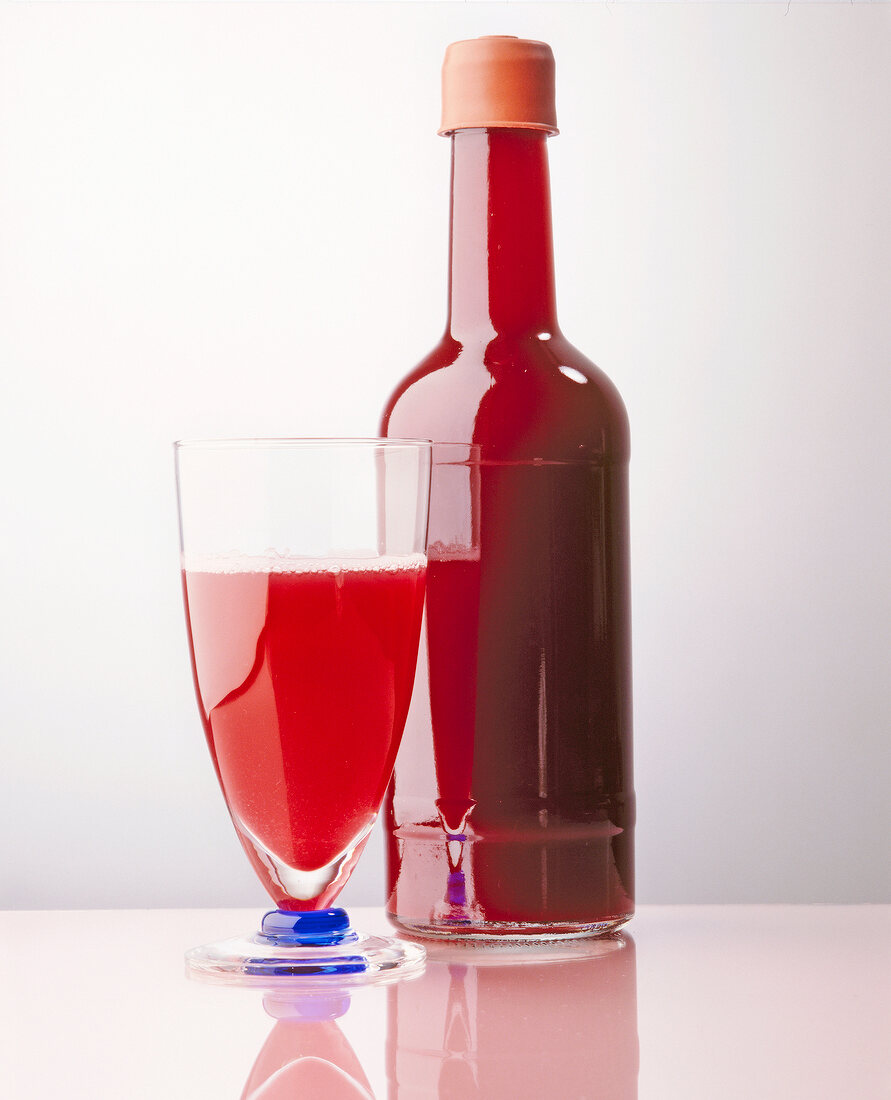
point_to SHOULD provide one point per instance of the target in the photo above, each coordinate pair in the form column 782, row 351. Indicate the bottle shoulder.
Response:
column 519, row 398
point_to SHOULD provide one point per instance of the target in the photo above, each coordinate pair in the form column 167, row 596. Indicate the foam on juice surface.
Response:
column 275, row 562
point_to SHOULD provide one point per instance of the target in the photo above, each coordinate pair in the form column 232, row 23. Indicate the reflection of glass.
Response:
column 482, row 1024
column 303, row 572
column 452, row 621
column 306, row 1054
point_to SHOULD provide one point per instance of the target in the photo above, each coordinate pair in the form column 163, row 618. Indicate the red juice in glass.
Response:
column 303, row 673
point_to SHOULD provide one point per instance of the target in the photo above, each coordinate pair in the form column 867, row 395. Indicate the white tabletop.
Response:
column 720, row 1002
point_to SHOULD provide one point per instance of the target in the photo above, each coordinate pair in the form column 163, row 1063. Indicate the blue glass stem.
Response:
column 302, row 939
column 315, row 928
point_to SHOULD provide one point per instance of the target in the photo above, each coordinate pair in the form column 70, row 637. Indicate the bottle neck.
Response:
column 501, row 264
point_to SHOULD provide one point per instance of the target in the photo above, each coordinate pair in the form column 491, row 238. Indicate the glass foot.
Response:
column 314, row 948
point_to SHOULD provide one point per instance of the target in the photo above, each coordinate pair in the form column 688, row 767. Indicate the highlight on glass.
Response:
column 303, row 569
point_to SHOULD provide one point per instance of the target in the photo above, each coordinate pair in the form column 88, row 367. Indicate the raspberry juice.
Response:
column 303, row 672
column 511, row 811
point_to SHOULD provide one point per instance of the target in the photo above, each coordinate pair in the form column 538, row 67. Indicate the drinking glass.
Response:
column 303, row 565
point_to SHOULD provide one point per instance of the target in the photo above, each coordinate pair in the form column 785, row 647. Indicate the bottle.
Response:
column 511, row 810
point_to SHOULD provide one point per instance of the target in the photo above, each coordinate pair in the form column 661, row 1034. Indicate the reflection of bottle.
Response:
column 306, row 1054
column 478, row 1026
column 527, row 675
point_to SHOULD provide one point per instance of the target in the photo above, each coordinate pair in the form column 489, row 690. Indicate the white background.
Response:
column 231, row 220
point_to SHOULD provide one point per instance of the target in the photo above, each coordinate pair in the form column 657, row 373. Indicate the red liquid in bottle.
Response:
column 303, row 678
column 512, row 806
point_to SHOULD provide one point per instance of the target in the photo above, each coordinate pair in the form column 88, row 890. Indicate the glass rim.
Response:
column 260, row 443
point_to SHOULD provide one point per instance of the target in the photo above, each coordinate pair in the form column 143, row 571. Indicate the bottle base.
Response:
column 507, row 931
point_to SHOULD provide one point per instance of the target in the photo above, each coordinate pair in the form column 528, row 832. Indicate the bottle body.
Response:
column 511, row 810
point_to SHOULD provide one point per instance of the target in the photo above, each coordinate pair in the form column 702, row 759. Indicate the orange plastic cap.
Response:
column 498, row 81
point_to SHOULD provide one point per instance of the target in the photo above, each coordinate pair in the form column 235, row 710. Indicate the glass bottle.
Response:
column 511, row 812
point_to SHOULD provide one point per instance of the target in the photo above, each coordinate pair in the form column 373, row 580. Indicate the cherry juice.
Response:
column 303, row 673
column 512, row 808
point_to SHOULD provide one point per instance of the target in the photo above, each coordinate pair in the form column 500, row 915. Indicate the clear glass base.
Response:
column 315, row 949
column 513, row 931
